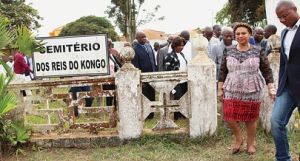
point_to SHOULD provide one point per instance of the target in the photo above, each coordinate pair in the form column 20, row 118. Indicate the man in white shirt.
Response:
column 208, row 34
column 187, row 49
column 288, row 93
column 10, row 63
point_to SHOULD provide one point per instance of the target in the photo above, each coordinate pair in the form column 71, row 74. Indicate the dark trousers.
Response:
column 110, row 101
column 180, row 89
column 149, row 92
column 88, row 101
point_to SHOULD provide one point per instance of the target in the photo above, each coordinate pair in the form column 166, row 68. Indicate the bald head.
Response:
column 185, row 34
column 217, row 30
column 269, row 30
column 170, row 39
column 208, row 32
column 258, row 34
column 285, row 3
column 141, row 37
column 286, row 12
column 139, row 33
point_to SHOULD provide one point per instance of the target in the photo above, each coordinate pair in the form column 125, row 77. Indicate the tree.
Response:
column 126, row 15
column 252, row 12
column 223, row 16
column 19, row 14
column 89, row 25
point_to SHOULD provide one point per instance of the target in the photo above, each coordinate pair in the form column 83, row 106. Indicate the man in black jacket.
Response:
column 288, row 93
column 145, row 61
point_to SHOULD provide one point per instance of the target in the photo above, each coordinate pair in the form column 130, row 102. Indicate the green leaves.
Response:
column 8, row 102
column 17, row 133
column 20, row 14
column 26, row 42
column 6, row 36
column 249, row 11
column 14, row 132
column 7, row 99
column 89, row 25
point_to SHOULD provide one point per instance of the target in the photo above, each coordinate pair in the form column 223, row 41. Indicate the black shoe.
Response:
column 150, row 116
column 178, row 115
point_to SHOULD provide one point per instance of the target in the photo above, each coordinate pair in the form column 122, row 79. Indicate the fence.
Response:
column 50, row 108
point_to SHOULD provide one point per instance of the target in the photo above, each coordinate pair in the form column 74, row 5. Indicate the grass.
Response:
column 165, row 148
column 150, row 147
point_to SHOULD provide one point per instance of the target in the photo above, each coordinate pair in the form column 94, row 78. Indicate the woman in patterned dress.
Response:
column 243, row 74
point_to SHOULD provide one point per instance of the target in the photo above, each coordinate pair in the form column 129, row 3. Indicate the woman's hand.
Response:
column 220, row 94
column 220, row 91
column 272, row 91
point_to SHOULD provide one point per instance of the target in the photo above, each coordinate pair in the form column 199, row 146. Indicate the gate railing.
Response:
column 164, row 83
column 49, row 106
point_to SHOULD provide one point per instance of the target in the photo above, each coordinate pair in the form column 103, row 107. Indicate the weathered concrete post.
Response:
column 127, row 82
column 267, row 104
column 203, row 92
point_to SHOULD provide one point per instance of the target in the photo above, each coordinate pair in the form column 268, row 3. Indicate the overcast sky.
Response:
column 179, row 14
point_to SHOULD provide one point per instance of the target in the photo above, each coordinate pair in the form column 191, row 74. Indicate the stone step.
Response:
column 75, row 139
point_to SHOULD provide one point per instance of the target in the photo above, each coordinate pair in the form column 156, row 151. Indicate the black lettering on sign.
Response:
column 84, row 47
column 96, row 46
column 43, row 50
column 77, row 47
column 103, row 64
column 53, row 66
column 49, row 49
column 71, row 48
column 75, row 64
column 57, row 49
column 92, row 64
column 42, row 66
column 70, row 65
column 60, row 65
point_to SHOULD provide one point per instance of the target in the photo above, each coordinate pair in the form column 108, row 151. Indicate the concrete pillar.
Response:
column 267, row 104
column 203, row 92
column 127, row 82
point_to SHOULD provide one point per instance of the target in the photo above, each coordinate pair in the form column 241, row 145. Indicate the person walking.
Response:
column 288, row 93
column 244, row 71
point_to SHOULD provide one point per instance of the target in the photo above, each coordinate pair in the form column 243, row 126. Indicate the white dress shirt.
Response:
column 288, row 39
column 187, row 51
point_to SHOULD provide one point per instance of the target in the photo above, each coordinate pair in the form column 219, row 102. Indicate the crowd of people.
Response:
column 240, row 52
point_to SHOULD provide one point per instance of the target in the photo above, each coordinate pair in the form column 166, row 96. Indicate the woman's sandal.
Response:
column 251, row 149
column 236, row 148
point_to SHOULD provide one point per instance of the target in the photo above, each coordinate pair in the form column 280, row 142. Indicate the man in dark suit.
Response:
column 144, row 55
column 288, row 93
column 162, row 53
column 144, row 60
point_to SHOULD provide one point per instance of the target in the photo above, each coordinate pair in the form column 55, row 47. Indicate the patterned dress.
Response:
column 244, row 74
